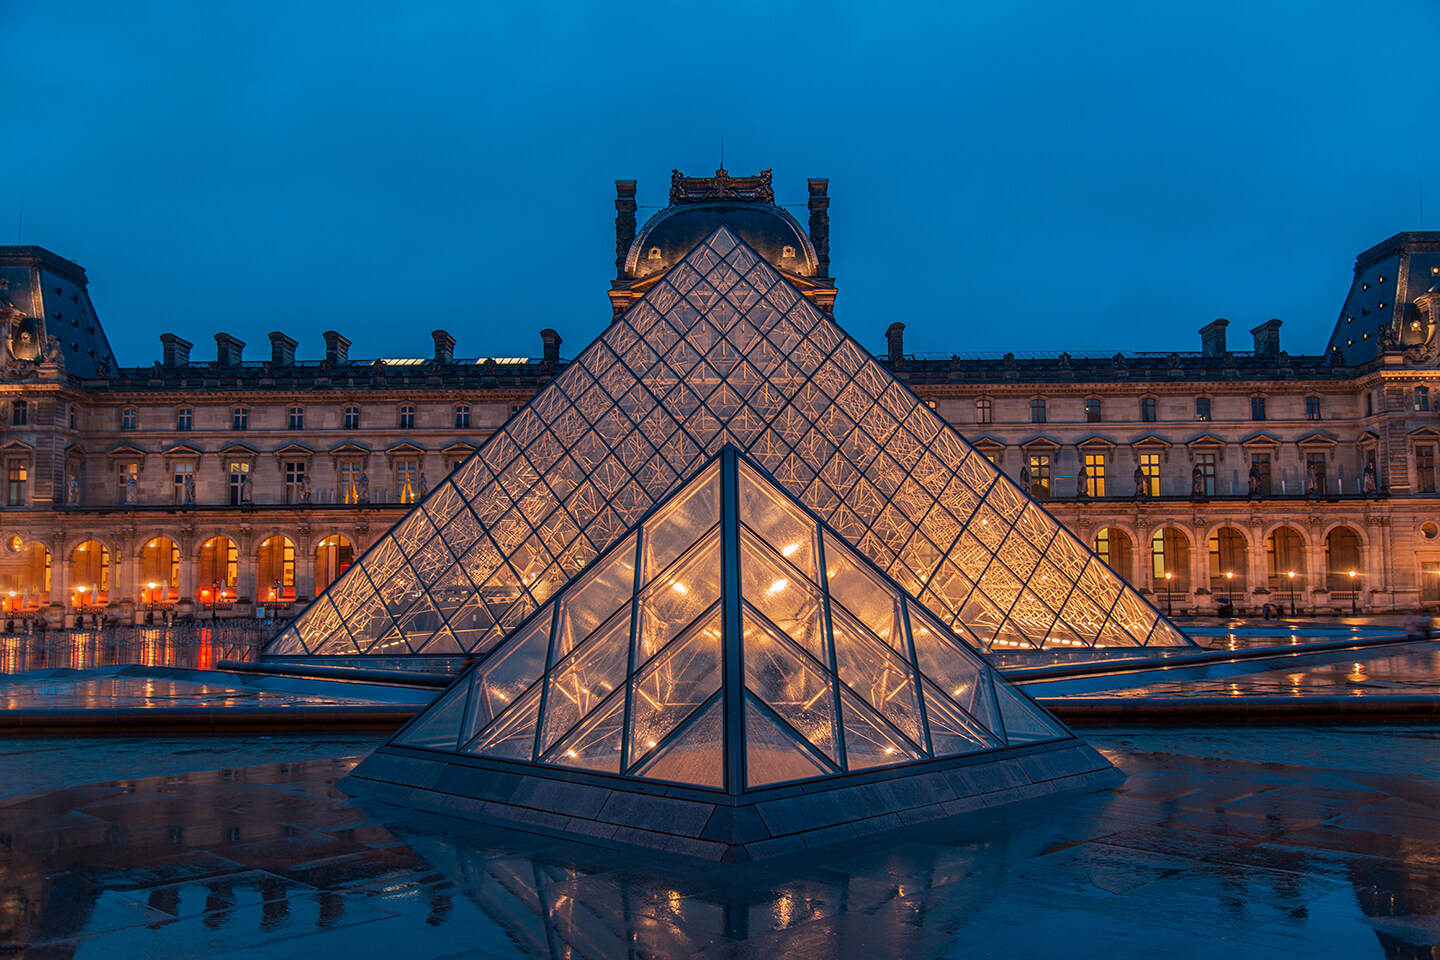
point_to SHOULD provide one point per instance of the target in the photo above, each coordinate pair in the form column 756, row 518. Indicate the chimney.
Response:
column 1212, row 338
column 895, row 337
column 552, row 348
column 820, row 223
column 1267, row 339
column 624, row 223
column 337, row 348
column 175, row 351
column 444, row 346
column 227, row 350
column 282, row 349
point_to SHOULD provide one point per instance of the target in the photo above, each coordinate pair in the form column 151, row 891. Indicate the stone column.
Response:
column 1258, row 574
column 1317, row 573
column 245, row 572
column 304, row 564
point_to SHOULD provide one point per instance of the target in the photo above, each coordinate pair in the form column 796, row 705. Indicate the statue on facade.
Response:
column 190, row 489
column 1197, row 482
column 1142, row 489
column 1312, row 480
column 245, row 495
column 1025, row 478
column 1082, row 482
column 132, row 490
column 72, row 490
column 1255, row 478
column 364, row 494
column 306, row 490
column 1368, row 482
column 424, row 485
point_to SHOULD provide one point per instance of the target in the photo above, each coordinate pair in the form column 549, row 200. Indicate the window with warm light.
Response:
column 1039, row 464
column 1095, row 474
column 1202, row 408
column 17, row 474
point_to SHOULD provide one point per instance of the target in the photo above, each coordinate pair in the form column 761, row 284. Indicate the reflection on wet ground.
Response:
column 199, row 645
column 1304, row 842
column 1404, row 670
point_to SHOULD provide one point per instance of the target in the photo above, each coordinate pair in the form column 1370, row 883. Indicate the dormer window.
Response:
column 787, row 253
column 654, row 253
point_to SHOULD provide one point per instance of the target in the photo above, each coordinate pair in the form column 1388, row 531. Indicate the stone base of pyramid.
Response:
column 734, row 829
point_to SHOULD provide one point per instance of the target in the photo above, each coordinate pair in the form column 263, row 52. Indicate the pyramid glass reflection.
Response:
column 730, row 642
column 722, row 350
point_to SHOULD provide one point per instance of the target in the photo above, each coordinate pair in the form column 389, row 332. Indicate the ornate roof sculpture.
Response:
column 722, row 186
column 732, row 645
column 722, row 351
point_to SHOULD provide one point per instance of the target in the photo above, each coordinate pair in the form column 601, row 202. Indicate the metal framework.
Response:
column 722, row 350
column 730, row 641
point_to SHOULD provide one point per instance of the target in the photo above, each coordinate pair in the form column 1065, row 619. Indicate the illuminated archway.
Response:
column 1115, row 547
column 1344, row 560
column 1170, row 554
column 1285, row 555
column 1229, row 562
column 219, row 566
column 159, row 571
column 25, row 577
column 90, row 573
column 333, row 556
column 275, row 576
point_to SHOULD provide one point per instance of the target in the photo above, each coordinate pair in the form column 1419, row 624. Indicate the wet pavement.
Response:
column 1294, row 841
column 199, row 645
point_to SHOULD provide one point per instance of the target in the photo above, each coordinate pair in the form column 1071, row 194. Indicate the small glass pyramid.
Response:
column 730, row 641
column 722, row 350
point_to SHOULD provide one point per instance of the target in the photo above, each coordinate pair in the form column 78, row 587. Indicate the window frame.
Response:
column 350, row 417
column 1149, row 409
column 239, row 418
column 462, row 416
column 1039, row 410
column 1094, row 410
column 184, row 419
column 1258, row 413
column 295, row 417
column 406, row 416
column 129, row 418
column 984, row 410
column 19, row 413
column 1312, row 407
column 1204, row 409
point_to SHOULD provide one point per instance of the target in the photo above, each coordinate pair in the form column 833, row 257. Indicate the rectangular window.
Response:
column 1422, row 398
column 240, row 418
column 1315, row 473
column 455, row 463
column 1257, row 408
column 1261, row 463
column 20, row 413
column 1150, row 467
column 297, row 418
column 407, row 417
column 126, row 473
column 350, row 474
column 129, row 418
column 984, row 411
column 1092, row 410
column 182, row 472
column 1039, row 475
column 17, row 479
column 1369, row 405
column 294, row 481
column 1312, row 408
column 1102, row 546
column 1095, row 474
column 185, row 418
column 462, row 417
column 1037, row 410
column 407, row 478
column 239, row 477
column 1202, row 408
column 352, row 418
column 1147, row 409
column 1425, row 469
column 1206, row 463
column 1430, row 581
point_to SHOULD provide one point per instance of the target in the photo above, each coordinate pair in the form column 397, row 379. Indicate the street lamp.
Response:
column 1353, row 585
column 214, row 597
column 150, row 614
column 1169, row 604
column 1292, row 593
column 1230, row 589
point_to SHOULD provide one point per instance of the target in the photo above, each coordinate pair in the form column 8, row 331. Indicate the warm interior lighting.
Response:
column 777, row 586
column 1292, row 574
column 790, row 550
column 679, row 588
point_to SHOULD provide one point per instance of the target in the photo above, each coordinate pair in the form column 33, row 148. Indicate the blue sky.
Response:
column 1017, row 176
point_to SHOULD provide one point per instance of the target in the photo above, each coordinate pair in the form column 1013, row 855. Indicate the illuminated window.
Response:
column 1150, row 467
column 350, row 473
column 462, row 416
column 1037, row 410
column 1202, row 408
column 1147, row 409
column 125, row 472
column 1039, row 475
column 407, row 478
column 185, row 418
column 1312, row 408
column 240, row 418
column 294, row 481
column 17, row 479
column 1095, row 474
column 19, row 413
column 352, row 417
column 1257, row 408
column 297, row 418
column 219, row 563
column 181, row 473
column 1102, row 546
column 407, row 417
column 984, row 410
column 1092, row 410
column 239, row 474
column 129, row 417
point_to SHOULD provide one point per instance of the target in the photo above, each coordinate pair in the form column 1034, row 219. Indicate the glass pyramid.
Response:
column 722, row 350
column 730, row 641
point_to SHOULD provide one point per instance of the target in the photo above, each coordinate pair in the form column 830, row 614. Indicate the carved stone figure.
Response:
column 190, row 489
column 1312, row 479
column 364, row 495
column 424, row 485
column 245, row 494
column 72, row 490
column 1025, row 478
column 1368, row 482
column 1082, row 483
column 1142, row 489
column 1255, row 479
column 132, row 490
column 306, row 491
column 1197, row 482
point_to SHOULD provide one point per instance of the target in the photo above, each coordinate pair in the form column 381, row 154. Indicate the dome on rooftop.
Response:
column 675, row 231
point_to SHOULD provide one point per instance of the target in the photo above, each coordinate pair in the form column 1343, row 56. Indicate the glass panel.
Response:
column 392, row 644
column 779, row 522
column 872, row 601
column 783, row 680
column 1025, row 720
column 444, row 642
column 1164, row 635
column 609, row 585
column 868, row 742
column 439, row 726
column 789, row 602
column 595, row 671
column 473, row 625
column 507, row 674
column 959, row 673
column 952, row 731
column 672, row 602
column 512, row 737
column 771, row 754
column 451, row 591
column 696, row 755
column 673, row 685
column 872, row 670
column 677, row 525
column 595, row 744
column 419, row 623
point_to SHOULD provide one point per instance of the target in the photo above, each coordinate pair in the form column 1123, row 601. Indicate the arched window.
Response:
column 333, row 556
column 1037, row 410
column 297, row 418
column 984, row 410
column 129, row 418
column 185, row 418
column 1148, row 409
column 275, row 578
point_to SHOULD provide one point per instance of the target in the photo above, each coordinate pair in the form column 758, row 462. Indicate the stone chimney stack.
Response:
column 282, row 349
column 337, row 348
column 228, row 350
column 895, row 337
column 1267, row 339
column 551, row 339
column 624, row 222
column 175, row 351
column 444, row 346
column 1212, row 338
column 820, row 223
